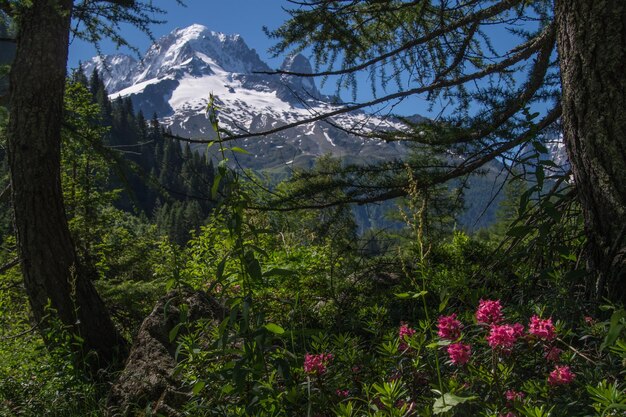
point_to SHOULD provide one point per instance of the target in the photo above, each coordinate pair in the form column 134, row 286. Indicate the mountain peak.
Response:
column 198, row 31
column 193, row 30
column 197, row 44
column 113, row 68
column 299, row 88
column 297, row 63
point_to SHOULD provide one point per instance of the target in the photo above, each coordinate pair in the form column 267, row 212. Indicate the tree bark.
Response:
column 592, row 56
column 52, row 274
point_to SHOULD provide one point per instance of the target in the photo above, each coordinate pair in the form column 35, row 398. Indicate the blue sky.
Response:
column 245, row 17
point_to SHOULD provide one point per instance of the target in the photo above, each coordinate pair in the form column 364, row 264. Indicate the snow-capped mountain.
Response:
column 557, row 153
column 179, row 71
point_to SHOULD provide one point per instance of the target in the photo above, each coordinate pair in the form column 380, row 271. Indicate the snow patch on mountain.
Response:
column 179, row 71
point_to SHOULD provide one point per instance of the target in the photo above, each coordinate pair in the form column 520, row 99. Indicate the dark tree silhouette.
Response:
column 55, row 280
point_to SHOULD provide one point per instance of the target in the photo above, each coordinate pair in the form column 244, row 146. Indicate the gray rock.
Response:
column 148, row 379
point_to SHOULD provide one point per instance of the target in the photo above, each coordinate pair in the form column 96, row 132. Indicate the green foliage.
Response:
column 36, row 380
column 311, row 312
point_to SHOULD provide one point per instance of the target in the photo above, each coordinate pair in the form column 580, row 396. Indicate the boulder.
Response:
column 148, row 380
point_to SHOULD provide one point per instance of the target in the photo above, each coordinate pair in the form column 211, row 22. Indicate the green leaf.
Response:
column 444, row 302
column 219, row 274
column 540, row 175
column 253, row 267
column 197, row 387
column 439, row 343
column 615, row 329
column 216, row 185
column 540, row 147
column 569, row 257
column 228, row 388
column 551, row 211
column 405, row 295
column 274, row 328
column 519, row 231
column 448, row 401
column 174, row 332
column 548, row 163
column 239, row 150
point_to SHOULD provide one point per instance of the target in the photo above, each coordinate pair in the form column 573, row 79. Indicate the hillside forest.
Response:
column 145, row 273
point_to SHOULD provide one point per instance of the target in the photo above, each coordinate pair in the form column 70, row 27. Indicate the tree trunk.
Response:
column 52, row 275
column 592, row 55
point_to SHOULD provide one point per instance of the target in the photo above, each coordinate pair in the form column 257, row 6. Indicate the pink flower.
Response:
column 512, row 395
column 342, row 393
column 316, row 364
column 404, row 333
column 542, row 328
column 502, row 336
column 459, row 353
column 489, row 312
column 553, row 353
column 518, row 329
column 449, row 327
column 561, row 375
column 589, row 320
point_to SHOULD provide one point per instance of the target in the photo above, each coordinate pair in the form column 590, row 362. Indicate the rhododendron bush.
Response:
column 464, row 363
column 483, row 362
column 320, row 340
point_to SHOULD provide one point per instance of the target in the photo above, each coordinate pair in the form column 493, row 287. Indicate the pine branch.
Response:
column 469, row 19
column 9, row 265
column 4, row 195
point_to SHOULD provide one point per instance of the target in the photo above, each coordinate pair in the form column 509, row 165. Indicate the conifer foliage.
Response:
column 494, row 100
column 155, row 175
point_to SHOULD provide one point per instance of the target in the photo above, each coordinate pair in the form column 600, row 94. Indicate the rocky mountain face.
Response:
column 179, row 71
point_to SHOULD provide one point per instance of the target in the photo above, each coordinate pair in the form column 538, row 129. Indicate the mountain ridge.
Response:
column 179, row 70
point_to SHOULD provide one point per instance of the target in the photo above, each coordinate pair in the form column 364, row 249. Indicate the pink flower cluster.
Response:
column 504, row 336
column 344, row 393
column 316, row 364
column 512, row 395
column 501, row 336
column 489, row 312
column 449, row 327
column 403, row 334
column 542, row 328
column 459, row 353
column 561, row 375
